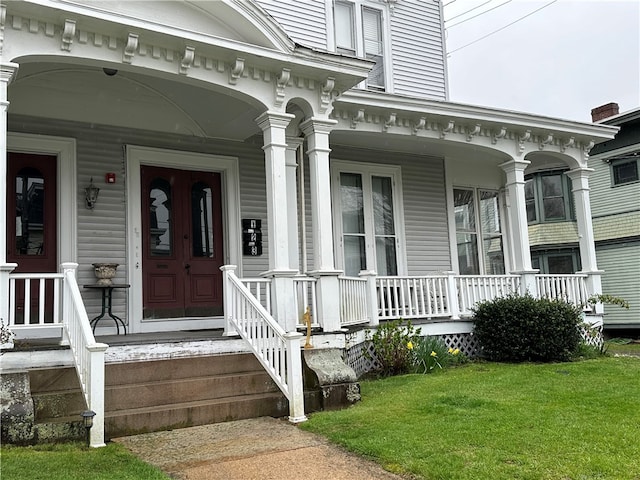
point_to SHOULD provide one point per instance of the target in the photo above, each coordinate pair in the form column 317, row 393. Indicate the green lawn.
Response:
column 74, row 461
column 496, row 421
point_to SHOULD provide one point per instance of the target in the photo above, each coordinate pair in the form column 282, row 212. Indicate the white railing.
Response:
column 261, row 289
column 88, row 355
column 353, row 301
column 34, row 300
column 277, row 350
column 306, row 297
column 570, row 288
column 413, row 297
column 475, row 288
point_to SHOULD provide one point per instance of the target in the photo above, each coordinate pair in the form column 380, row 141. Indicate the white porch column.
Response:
column 580, row 181
column 7, row 72
column 316, row 132
column 273, row 125
column 293, row 144
column 517, row 213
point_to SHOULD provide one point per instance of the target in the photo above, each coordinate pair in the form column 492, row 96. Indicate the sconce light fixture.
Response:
column 91, row 195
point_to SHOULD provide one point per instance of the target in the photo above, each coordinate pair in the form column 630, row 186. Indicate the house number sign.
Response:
column 251, row 237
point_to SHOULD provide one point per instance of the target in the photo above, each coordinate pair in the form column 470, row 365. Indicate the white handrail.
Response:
column 353, row 300
column 48, row 285
column 88, row 355
column 479, row 288
column 571, row 288
column 306, row 297
column 261, row 289
column 277, row 350
column 413, row 297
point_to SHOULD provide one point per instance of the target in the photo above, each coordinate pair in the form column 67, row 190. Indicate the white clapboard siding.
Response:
column 304, row 21
column 418, row 49
column 621, row 264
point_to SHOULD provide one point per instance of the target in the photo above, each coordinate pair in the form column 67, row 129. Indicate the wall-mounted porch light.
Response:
column 91, row 195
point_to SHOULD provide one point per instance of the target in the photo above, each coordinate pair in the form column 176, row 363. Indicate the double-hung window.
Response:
column 358, row 30
column 367, row 225
column 478, row 231
column 548, row 197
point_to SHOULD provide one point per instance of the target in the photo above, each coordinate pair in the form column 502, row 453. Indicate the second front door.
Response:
column 182, row 243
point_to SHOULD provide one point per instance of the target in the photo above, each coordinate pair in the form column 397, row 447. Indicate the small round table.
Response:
column 107, row 304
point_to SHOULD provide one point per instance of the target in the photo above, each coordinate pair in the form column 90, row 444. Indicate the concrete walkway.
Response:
column 262, row 449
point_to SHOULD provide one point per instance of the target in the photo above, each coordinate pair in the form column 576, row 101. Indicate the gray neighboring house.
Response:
column 615, row 208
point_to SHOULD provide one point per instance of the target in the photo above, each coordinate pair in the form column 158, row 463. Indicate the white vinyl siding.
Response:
column 304, row 21
column 418, row 55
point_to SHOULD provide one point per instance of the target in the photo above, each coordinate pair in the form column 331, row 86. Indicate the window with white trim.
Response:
column 367, row 225
column 478, row 231
column 548, row 197
column 358, row 30
column 624, row 170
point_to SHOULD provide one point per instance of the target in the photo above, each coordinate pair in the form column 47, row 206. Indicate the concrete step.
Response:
column 53, row 379
column 163, row 392
column 156, row 370
column 58, row 429
column 186, row 414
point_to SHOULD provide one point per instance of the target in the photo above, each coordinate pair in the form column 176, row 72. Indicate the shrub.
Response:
column 392, row 346
column 522, row 328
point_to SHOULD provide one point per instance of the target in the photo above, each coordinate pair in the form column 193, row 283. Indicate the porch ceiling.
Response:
column 129, row 99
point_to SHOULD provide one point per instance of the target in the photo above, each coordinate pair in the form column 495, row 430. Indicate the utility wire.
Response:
column 478, row 14
column 502, row 28
column 470, row 10
column 448, row 3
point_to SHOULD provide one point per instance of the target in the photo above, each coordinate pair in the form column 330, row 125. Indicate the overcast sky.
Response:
column 562, row 61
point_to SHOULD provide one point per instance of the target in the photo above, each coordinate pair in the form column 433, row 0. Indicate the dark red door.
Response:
column 31, row 224
column 182, row 243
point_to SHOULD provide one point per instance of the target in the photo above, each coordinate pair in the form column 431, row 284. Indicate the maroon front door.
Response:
column 182, row 243
column 31, row 225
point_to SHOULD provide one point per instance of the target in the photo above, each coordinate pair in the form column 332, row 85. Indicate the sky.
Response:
column 561, row 61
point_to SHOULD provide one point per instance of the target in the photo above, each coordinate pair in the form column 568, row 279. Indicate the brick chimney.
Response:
column 604, row 111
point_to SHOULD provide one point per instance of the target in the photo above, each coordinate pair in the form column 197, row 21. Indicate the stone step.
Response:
column 53, row 379
column 155, row 393
column 157, row 370
column 186, row 414
column 61, row 403
column 58, row 429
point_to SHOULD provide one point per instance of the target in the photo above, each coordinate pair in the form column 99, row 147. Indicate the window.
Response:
column 478, row 230
column 548, row 197
column 556, row 262
column 367, row 226
column 624, row 170
column 358, row 31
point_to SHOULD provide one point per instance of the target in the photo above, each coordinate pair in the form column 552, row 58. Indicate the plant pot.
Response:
column 105, row 272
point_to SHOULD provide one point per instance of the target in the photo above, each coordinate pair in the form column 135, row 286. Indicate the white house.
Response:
column 309, row 144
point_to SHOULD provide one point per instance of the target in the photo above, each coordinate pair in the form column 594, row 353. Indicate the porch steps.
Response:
column 156, row 395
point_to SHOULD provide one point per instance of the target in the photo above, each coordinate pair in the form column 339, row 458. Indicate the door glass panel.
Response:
column 468, row 254
column 160, row 218
column 382, row 206
column 201, row 220
column 30, row 221
column 464, row 210
column 355, row 258
column 386, row 256
column 351, row 201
